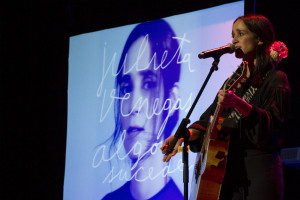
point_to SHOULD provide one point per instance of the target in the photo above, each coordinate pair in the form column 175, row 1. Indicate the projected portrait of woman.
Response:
column 145, row 109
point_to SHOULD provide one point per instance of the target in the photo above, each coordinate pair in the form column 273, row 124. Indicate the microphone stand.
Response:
column 182, row 131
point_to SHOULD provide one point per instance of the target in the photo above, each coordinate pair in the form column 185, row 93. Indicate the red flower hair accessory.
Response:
column 277, row 51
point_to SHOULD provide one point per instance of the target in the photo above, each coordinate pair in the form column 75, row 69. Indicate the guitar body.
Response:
column 211, row 179
column 211, row 161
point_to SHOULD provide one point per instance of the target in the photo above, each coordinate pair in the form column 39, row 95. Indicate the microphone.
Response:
column 217, row 52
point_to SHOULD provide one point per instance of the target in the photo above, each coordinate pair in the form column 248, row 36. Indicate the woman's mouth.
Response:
column 237, row 47
column 134, row 129
column 239, row 51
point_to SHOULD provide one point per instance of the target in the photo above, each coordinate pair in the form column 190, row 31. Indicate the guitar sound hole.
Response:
column 220, row 155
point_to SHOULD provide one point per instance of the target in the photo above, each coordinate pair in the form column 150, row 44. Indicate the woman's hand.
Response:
column 166, row 145
column 229, row 99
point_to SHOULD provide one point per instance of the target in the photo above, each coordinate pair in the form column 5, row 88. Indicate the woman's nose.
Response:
column 136, row 102
column 135, row 112
column 234, row 40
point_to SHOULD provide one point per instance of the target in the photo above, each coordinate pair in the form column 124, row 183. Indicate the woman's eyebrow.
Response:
column 237, row 30
column 241, row 30
column 148, row 73
column 126, row 77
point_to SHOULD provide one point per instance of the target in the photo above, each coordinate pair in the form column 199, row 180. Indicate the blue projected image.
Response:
column 128, row 89
column 147, row 108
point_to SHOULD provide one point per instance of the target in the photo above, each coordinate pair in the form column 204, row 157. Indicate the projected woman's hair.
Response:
column 146, row 109
column 148, row 72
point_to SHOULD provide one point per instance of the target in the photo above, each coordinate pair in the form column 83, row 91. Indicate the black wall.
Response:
column 34, row 73
column 285, row 17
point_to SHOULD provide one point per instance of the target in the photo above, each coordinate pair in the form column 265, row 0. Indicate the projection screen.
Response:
column 128, row 89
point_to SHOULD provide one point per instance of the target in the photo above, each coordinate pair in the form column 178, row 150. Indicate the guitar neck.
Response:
column 212, row 127
column 216, row 117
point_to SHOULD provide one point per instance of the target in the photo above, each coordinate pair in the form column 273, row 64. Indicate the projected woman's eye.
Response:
column 150, row 82
column 145, row 81
column 126, row 85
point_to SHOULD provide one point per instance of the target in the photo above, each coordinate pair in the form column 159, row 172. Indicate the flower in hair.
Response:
column 278, row 50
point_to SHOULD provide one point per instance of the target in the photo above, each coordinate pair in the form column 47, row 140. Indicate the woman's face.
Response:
column 143, row 89
column 243, row 40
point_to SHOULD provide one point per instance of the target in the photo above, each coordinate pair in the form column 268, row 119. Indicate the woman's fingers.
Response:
column 166, row 145
column 168, row 157
column 164, row 148
column 226, row 99
column 221, row 95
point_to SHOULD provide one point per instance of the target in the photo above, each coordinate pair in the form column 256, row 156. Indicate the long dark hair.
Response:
column 263, row 30
column 161, row 40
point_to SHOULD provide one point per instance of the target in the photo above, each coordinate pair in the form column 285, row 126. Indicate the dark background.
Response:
column 34, row 41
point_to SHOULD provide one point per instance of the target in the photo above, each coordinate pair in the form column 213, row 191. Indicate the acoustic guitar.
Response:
column 211, row 160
